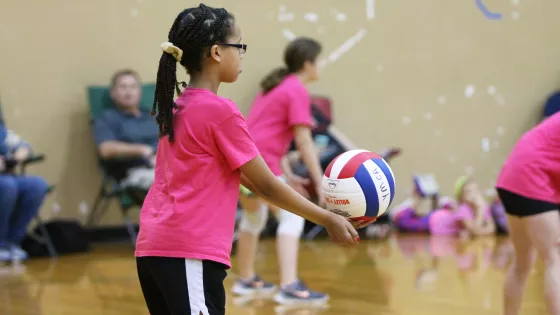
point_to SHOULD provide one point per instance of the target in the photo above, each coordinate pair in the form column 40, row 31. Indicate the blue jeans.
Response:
column 20, row 200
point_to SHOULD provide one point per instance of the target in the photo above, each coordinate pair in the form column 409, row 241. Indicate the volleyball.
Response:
column 359, row 185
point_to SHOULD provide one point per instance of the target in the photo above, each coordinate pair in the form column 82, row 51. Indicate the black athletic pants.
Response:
column 177, row 286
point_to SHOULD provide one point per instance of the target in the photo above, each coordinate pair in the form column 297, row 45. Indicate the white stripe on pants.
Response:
column 195, row 285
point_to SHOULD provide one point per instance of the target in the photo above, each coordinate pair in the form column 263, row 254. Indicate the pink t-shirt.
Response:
column 272, row 117
column 446, row 222
column 189, row 211
column 532, row 169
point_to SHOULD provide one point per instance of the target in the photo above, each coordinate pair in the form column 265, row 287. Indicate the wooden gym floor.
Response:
column 414, row 275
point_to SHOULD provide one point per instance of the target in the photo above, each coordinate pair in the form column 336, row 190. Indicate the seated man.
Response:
column 127, row 136
column 20, row 196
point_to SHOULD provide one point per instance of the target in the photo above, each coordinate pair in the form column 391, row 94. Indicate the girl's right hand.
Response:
column 341, row 231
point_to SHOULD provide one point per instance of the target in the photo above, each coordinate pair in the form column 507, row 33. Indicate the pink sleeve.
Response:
column 299, row 107
column 234, row 141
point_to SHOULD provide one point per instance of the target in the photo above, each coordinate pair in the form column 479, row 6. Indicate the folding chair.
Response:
column 44, row 238
column 111, row 187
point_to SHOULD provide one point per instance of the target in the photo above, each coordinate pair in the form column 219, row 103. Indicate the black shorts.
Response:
column 182, row 286
column 520, row 206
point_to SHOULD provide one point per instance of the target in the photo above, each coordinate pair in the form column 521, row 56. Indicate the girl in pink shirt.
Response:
column 472, row 216
column 529, row 188
column 204, row 153
column 280, row 114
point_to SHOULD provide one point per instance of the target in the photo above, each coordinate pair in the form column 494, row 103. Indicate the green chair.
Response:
column 44, row 237
column 99, row 100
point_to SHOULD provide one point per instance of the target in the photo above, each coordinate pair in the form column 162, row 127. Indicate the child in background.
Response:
column 413, row 215
column 472, row 216
column 204, row 153
column 499, row 214
column 280, row 114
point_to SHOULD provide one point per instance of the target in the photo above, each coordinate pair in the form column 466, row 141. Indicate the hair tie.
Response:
column 173, row 50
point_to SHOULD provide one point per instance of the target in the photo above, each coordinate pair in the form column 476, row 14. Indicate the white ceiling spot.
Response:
column 515, row 2
column 485, row 144
column 284, row 15
column 405, row 120
column 469, row 91
column 515, row 15
column 379, row 67
column 134, row 13
column 499, row 99
column 452, row 159
column 56, row 207
column 428, row 116
column 469, row 170
column 341, row 17
column 289, row 35
column 491, row 90
column 370, row 9
column 500, row 130
column 311, row 17
column 441, row 100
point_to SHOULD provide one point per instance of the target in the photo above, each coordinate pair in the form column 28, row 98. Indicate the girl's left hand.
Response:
column 298, row 184
column 360, row 224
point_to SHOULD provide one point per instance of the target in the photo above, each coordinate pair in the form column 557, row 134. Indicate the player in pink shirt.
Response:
column 204, row 153
column 281, row 113
column 529, row 188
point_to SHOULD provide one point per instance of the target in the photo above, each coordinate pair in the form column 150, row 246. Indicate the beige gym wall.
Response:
column 434, row 77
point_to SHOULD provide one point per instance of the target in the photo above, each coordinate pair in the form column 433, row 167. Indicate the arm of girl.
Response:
column 295, row 181
column 258, row 177
column 480, row 230
column 306, row 146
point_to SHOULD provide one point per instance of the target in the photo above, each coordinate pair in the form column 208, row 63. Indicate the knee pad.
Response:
column 254, row 221
column 289, row 223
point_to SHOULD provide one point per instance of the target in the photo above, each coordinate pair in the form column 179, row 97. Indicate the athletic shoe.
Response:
column 298, row 293
column 254, row 286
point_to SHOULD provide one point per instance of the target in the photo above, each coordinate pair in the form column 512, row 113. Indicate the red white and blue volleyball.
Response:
column 359, row 185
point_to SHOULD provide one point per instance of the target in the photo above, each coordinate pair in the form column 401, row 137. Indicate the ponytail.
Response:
column 166, row 86
column 273, row 79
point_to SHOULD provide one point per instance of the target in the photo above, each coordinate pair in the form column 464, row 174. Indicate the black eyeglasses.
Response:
column 242, row 47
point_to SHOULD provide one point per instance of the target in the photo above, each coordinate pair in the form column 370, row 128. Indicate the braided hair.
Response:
column 194, row 31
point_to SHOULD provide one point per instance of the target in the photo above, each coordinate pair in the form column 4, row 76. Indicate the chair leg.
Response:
column 46, row 238
column 130, row 228
column 98, row 210
column 313, row 232
column 94, row 210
